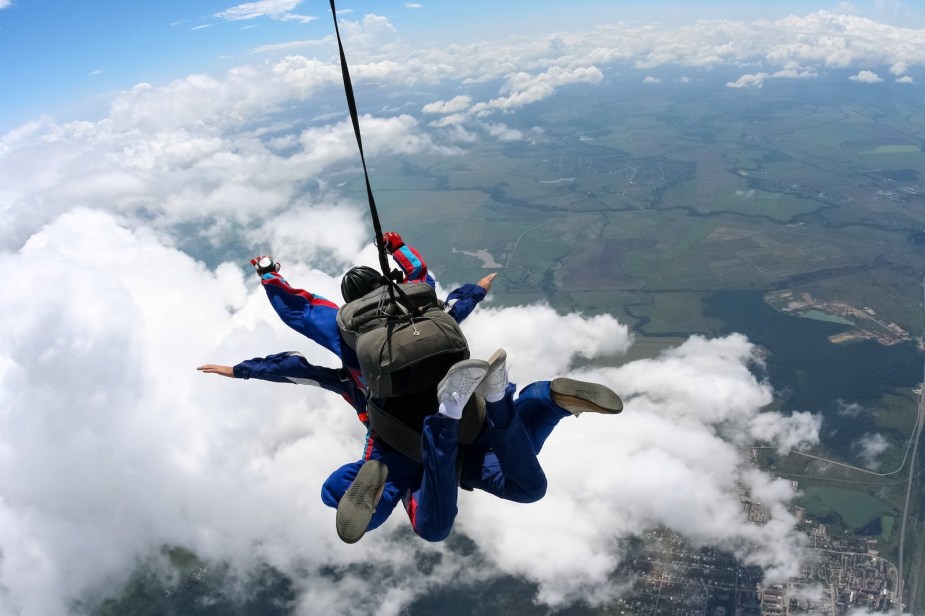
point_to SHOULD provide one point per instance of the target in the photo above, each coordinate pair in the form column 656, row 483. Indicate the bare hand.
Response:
column 485, row 282
column 217, row 369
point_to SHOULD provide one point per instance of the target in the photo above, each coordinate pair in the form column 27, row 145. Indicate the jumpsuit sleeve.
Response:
column 410, row 262
column 463, row 301
column 309, row 314
column 288, row 367
column 292, row 367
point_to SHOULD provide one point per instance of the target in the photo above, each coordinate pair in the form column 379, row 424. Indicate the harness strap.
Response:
column 407, row 440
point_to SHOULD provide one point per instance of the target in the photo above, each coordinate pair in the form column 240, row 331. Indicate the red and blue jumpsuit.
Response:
column 412, row 265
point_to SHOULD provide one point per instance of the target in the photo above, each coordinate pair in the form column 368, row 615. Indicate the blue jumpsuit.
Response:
column 501, row 461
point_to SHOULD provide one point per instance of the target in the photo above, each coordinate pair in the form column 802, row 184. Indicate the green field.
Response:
column 675, row 198
column 855, row 508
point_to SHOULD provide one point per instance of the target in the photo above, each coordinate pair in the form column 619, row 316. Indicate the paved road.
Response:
column 917, row 433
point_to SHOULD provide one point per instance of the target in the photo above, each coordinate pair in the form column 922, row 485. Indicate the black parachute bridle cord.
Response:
column 354, row 116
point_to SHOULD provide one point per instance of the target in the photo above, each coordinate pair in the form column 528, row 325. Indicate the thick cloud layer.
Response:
column 112, row 445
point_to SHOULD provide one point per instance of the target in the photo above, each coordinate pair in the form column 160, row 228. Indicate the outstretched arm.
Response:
column 307, row 313
column 292, row 367
column 463, row 300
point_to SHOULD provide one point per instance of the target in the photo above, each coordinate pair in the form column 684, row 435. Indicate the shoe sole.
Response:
column 578, row 397
column 356, row 508
column 496, row 360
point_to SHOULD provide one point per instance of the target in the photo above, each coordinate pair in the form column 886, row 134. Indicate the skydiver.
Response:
column 502, row 461
column 315, row 317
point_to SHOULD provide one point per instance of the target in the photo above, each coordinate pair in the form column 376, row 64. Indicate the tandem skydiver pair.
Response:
column 419, row 445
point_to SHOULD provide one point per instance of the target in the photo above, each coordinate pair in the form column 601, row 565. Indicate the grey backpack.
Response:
column 404, row 345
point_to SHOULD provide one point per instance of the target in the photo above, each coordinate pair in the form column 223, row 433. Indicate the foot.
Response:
column 458, row 385
column 355, row 509
column 494, row 384
column 265, row 265
column 579, row 397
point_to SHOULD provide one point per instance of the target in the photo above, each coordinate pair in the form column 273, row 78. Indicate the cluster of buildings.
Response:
column 676, row 579
column 865, row 321
column 843, row 574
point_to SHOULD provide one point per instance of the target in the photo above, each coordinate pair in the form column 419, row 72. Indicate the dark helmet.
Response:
column 359, row 281
column 392, row 241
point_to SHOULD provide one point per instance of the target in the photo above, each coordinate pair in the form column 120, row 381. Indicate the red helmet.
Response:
column 392, row 241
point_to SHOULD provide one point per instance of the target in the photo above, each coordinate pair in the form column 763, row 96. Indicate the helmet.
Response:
column 392, row 241
column 358, row 281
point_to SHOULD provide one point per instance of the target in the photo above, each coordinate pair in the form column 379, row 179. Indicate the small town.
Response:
column 838, row 576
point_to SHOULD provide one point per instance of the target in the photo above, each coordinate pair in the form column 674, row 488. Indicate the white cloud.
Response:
column 866, row 77
column 793, row 432
column 285, row 46
column 504, row 132
column 524, row 88
column 650, row 79
column 413, row 5
column 196, row 159
column 372, row 37
column 795, row 72
column 5, row 4
column 671, row 464
column 905, row 79
column 869, row 447
column 899, row 68
column 748, row 81
column 849, row 409
column 454, row 119
column 454, row 105
column 180, row 446
column 274, row 9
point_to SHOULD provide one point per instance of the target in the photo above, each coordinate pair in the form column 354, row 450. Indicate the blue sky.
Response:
column 66, row 58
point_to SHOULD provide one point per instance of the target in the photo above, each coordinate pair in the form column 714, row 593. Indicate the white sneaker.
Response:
column 459, row 384
column 494, row 384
